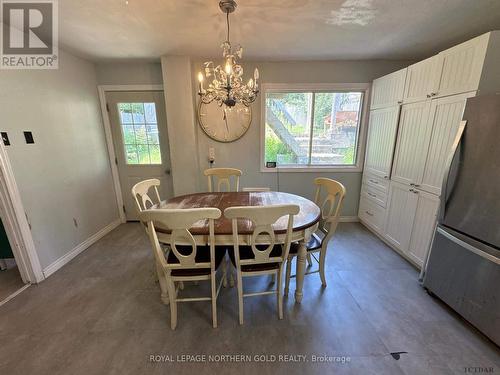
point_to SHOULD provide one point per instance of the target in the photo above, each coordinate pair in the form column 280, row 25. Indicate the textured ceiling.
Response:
column 273, row 29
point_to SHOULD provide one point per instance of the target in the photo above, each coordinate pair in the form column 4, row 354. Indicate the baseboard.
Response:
column 49, row 270
column 349, row 219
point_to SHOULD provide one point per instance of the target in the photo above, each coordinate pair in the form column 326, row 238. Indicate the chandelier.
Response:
column 226, row 84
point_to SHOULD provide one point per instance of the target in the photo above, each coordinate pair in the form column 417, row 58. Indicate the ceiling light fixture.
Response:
column 227, row 86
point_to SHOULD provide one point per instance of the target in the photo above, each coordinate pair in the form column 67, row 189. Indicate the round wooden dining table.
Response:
column 304, row 224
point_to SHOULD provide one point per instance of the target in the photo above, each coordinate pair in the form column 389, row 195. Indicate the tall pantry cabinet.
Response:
column 414, row 119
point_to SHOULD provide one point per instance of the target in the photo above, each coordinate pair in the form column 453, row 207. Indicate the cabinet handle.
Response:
column 416, row 185
column 428, row 95
column 386, row 177
column 371, row 194
column 411, row 190
column 368, row 213
column 373, row 181
column 400, row 102
column 434, row 93
column 412, row 184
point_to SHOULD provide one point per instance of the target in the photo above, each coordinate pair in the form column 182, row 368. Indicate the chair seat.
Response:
column 313, row 244
column 202, row 256
column 247, row 253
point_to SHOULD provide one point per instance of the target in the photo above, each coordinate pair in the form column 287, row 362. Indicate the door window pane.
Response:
column 141, row 141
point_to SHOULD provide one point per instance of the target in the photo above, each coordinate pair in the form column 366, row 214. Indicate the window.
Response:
column 312, row 127
column 140, row 133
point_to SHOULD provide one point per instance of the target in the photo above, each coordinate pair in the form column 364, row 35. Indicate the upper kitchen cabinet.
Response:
column 445, row 116
column 382, row 132
column 412, row 144
column 462, row 66
column 387, row 91
column 422, row 79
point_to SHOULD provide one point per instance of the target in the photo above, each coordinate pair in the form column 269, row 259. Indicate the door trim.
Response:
column 16, row 223
column 103, row 89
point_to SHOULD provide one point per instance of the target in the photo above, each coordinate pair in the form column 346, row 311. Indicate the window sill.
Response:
column 315, row 168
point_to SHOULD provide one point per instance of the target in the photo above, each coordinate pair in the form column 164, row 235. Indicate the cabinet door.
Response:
column 400, row 215
column 422, row 79
column 388, row 90
column 462, row 66
column 382, row 131
column 445, row 116
column 413, row 142
column 423, row 226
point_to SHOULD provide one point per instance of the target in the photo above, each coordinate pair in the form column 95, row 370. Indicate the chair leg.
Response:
column 322, row 261
column 224, row 273
column 288, row 275
column 278, row 291
column 309, row 260
column 173, row 304
column 240, row 296
column 214, row 300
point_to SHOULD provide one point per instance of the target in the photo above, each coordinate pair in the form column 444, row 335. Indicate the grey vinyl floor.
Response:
column 101, row 314
column 10, row 281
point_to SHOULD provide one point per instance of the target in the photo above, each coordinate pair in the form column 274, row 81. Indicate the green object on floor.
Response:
column 5, row 249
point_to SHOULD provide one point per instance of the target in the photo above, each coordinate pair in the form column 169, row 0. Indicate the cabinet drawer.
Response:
column 372, row 214
column 372, row 181
column 374, row 194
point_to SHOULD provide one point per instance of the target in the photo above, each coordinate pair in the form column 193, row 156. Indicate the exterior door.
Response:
column 413, row 142
column 423, row 226
column 401, row 212
column 382, row 131
column 445, row 116
column 139, row 129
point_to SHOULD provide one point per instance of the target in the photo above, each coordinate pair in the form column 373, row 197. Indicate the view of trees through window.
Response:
column 306, row 128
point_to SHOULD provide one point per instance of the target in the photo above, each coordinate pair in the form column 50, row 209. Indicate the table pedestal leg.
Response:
column 163, row 284
column 300, row 271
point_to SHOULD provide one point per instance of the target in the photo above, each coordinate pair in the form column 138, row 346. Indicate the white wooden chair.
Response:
column 256, row 189
column 330, row 206
column 187, row 260
column 141, row 197
column 265, row 251
column 223, row 176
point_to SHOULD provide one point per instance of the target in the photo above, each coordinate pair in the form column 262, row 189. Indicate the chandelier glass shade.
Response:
column 226, row 85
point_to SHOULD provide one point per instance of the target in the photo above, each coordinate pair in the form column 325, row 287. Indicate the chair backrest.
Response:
column 256, row 189
column 263, row 238
column 330, row 198
column 179, row 221
column 140, row 192
column 223, row 177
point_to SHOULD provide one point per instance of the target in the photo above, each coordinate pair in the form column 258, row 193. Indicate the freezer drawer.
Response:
column 465, row 274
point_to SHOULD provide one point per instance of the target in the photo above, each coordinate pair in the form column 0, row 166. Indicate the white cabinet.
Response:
column 424, row 223
column 462, row 66
column 445, row 116
column 382, row 130
column 388, row 90
column 413, row 142
column 400, row 214
column 422, row 79
column 372, row 214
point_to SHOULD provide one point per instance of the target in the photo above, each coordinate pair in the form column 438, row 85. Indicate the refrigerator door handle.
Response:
column 469, row 247
column 449, row 162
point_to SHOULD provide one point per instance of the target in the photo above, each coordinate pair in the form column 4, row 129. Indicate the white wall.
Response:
column 129, row 73
column 244, row 153
column 66, row 174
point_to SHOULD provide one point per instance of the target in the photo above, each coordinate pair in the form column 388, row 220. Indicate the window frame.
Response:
column 317, row 88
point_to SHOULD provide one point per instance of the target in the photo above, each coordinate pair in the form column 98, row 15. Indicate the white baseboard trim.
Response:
column 349, row 219
column 50, row 269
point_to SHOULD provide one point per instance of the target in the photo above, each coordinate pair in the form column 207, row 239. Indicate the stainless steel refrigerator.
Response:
column 463, row 266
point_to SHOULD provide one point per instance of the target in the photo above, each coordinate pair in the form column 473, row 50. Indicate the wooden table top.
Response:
column 308, row 216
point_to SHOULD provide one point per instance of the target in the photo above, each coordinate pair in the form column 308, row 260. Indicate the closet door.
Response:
column 422, row 79
column 445, row 116
column 388, row 90
column 412, row 144
column 462, row 66
column 382, row 131
column 423, row 226
column 400, row 214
